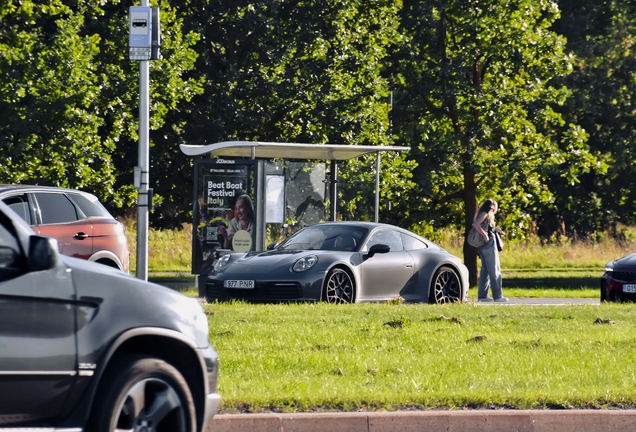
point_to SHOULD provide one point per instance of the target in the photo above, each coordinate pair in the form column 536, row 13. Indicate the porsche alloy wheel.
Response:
column 339, row 287
column 446, row 286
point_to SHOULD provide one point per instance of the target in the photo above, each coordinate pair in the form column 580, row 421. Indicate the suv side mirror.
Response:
column 378, row 248
column 8, row 257
column 43, row 253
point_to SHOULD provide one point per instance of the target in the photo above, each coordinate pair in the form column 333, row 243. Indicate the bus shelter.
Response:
column 247, row 192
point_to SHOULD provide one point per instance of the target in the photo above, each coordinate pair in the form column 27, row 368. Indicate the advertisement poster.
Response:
column 224, row 213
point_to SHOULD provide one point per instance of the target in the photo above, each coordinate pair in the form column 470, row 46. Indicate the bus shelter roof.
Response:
column 272, row 150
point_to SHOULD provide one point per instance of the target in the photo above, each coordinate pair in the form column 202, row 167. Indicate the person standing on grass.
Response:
column 490, row 273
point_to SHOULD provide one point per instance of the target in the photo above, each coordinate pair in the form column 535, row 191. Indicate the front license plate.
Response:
column 242, row 284
column 629, row 288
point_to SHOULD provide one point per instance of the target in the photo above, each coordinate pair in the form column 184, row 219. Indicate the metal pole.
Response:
column 261, row 225
column 144, row 163
column 377, row 186
column 333, row 190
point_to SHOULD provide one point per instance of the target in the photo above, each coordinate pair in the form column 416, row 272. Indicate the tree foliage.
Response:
column 601, row 36
column 477, row 104
column 307, row 72
column 68, row 97
column 48, row 97
column 496, row 98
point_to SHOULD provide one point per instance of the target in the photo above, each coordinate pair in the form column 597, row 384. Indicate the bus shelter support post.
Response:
column 333, row 190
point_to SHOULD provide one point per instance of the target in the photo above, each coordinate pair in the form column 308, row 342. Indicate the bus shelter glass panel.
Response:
column 296, row 196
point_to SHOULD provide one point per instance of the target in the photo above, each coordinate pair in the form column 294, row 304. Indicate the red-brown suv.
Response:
column 77, row 220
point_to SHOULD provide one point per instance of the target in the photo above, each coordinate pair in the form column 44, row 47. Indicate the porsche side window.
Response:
column 411, row 243
column 56, row 208
column 20, row 205
column 387, row 237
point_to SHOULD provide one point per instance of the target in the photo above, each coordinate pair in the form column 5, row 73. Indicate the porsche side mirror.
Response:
column 378, row 248
column 272, row 246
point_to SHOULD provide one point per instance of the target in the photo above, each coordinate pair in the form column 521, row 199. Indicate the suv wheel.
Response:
column 142, row 393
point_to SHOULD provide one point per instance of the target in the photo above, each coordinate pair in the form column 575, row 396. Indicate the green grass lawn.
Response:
column 320, row 357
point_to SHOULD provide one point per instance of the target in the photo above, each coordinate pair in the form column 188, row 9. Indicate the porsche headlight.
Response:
column 609, row 267
column 222, row 263
column 305, row 263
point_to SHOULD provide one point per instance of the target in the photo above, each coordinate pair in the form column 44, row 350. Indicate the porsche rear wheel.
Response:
column 446, row 286
column 339, row 287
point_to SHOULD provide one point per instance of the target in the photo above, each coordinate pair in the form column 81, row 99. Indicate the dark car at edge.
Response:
column 87, row 347
column 618, row 283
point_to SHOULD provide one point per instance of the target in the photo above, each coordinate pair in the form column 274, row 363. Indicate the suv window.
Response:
column 20, row 205
column 56, row 208
column 9, row 249
column 91, row 208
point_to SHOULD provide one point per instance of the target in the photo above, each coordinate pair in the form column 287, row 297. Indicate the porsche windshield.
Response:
column 326, row 237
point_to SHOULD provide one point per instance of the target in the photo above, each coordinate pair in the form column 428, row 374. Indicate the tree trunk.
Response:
column 470, row 204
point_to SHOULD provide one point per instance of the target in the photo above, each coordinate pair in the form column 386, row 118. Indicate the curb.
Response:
column 431, row 421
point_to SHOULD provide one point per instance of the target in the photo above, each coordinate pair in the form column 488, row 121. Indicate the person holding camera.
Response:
column 490, row 273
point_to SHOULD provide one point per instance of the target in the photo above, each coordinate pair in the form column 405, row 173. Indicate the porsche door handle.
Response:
column 407, row 265
column 80, row 236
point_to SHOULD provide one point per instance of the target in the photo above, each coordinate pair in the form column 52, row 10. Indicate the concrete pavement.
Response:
column 432, row 421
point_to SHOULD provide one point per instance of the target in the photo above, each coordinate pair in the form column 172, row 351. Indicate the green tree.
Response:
column 69, row 93
column 289, row 72
column 173, row 83
column 601, row 36
column 474, row 100
column 48, row 92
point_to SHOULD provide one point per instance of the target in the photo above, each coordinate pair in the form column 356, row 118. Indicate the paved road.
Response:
column 544, row 301
column 432, row 421
column 513, row 301
column 526, row 301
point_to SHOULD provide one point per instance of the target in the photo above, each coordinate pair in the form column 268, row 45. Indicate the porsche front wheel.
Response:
column 339, row 287
column 446, row 286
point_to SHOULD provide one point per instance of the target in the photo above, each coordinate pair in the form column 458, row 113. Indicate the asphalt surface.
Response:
column 512, row 301
column 524, row 301
column 543, row 301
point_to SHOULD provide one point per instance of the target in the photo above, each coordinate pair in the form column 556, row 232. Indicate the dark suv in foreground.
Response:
column 85, row 347
column 77, row 220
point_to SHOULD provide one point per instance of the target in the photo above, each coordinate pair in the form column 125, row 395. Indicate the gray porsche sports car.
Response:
column 342, row 262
